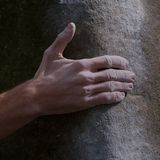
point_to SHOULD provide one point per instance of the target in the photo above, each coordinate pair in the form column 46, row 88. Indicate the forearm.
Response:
column 17, row 108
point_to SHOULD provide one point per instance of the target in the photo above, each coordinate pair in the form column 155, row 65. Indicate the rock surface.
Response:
column 127, row 131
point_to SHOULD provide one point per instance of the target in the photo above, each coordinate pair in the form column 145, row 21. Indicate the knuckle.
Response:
column 124, row 75
column 87, row 90
column 108, row 75
column 108, row 60
column 48, row 54
column 116, row 96
column 110, row 86
column 60, row 36
column 87, row 78
column 112, row 74
column 80, row 65
column 87, row 102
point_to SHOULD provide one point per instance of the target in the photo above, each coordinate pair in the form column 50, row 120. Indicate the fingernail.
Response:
column 69, row 27
column 130, row 86
column 122, row 95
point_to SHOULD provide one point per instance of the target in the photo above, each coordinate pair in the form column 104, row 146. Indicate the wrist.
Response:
column 42, row 97
column 36, row 88
column 30, row 91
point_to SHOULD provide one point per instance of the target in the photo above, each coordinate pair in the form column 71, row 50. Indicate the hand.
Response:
column 64, row 85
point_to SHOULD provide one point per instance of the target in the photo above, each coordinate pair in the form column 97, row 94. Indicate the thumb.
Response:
column 62, row 40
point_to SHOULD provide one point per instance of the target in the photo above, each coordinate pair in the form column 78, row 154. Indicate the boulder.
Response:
column 126, row 131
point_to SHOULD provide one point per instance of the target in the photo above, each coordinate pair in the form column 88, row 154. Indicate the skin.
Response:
column 64, row 85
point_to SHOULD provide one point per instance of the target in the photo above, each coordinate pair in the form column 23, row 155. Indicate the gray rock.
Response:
column 126, row 131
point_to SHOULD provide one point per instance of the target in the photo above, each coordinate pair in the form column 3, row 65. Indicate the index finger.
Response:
column 104, row 62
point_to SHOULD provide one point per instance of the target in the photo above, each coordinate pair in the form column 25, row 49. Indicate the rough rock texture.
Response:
column 129, row 28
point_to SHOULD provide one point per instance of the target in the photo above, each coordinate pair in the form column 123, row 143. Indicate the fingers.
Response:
column 55, row 51
column 103, row 62
column 64, row 38
column 114, row 75
column 106, row 98
column 111, row 86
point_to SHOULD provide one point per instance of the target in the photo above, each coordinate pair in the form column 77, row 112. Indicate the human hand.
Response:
column 64, row 85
